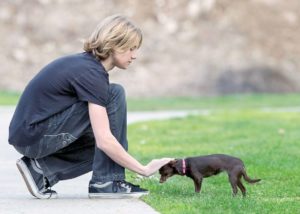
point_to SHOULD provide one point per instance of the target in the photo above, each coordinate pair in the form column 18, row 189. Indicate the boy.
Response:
column 71, row 120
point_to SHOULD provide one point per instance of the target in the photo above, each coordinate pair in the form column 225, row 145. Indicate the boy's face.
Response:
column 123, row 59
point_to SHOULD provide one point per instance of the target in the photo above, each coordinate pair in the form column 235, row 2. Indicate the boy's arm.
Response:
column 110, row 146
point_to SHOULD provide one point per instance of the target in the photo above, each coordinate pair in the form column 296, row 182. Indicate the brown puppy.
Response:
column 201, row 167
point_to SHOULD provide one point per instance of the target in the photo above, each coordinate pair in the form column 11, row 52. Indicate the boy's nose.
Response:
column 134, row 54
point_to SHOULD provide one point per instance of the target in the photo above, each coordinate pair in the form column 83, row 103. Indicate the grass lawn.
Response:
column 230, row 102
column 175, row 103
column 9, row 98
column 267, row 142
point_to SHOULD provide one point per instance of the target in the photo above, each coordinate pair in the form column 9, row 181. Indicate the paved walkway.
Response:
column 73, row 199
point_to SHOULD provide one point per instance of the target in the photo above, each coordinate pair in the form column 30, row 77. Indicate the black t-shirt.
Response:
column 60, row 84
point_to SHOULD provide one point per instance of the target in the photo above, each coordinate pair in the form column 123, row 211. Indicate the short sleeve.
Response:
column 92, row 86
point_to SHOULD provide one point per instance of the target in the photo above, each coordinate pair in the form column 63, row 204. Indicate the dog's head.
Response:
column 168, row 170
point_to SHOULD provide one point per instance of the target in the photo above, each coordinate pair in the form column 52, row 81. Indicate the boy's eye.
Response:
column 133, row 48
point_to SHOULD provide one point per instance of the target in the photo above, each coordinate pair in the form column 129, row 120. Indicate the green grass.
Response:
column 9, row 98
column 174, row 103
column 268, row 143
column 219, row 102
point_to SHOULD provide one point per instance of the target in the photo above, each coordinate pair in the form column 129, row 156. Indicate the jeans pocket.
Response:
column 50, row 144
column 67, row 139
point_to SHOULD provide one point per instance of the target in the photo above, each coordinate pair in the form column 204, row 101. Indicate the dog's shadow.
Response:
column 214, row 187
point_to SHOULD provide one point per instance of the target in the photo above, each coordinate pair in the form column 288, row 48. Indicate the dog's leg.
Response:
column 197, row 178
column 233, row 181
column 241, row 186
column 239, row 182
column 198, row 184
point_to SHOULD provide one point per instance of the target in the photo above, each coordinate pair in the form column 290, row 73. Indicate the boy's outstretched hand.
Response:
column 154, row 165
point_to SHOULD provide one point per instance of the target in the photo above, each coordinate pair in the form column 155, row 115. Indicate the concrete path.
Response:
column 73, row 198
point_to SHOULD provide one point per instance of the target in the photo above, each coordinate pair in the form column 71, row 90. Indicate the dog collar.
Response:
column 183, row 167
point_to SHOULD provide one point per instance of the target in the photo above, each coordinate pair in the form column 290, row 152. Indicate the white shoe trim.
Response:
column 117, row 195
column 35, row 166
column 99, row 185
column 30, row 183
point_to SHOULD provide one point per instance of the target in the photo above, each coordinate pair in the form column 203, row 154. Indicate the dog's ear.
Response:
column 175, row 165
column 172, row 163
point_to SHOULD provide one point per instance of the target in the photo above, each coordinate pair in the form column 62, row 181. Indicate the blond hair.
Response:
column 114, row 33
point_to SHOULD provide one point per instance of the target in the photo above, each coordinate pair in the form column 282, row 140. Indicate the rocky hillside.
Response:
column 190, row 47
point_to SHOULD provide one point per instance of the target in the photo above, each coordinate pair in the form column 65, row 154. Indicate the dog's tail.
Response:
column 248, row 179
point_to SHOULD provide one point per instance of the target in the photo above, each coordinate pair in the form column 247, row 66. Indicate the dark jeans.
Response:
column 69, row 150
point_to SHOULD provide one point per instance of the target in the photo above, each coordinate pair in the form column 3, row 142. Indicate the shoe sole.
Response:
column 116, row 195
column 31, row 186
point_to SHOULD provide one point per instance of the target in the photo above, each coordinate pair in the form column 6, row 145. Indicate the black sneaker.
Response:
column 36, row 183
column 115, row 189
